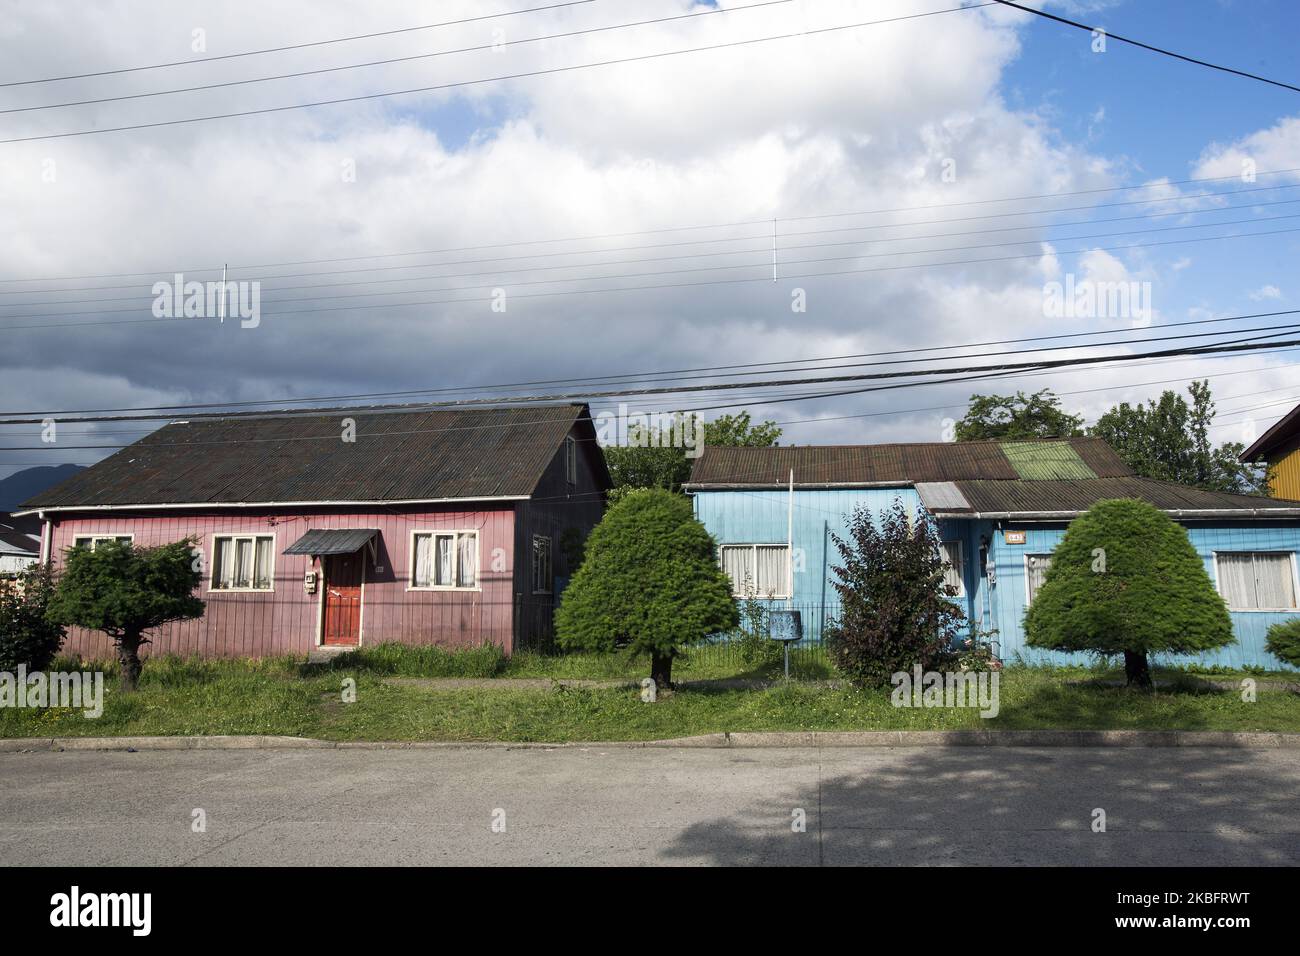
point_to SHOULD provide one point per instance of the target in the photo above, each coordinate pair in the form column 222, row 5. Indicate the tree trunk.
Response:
column 1135, row 669
column 128, row 656
column 661, row 669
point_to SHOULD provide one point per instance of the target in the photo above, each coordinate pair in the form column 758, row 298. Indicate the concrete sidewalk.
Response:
column 807, row 739
column 1199, row 806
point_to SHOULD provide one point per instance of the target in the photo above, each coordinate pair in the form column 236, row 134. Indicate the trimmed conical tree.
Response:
column 649, row 584
column 1125, row 579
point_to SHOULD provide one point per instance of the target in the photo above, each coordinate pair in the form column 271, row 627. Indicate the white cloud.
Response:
column 1267, row 150
column 1265, row 292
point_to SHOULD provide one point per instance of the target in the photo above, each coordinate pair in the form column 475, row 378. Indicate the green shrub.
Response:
column 897, row 611
column 126, row 592
column 1125, row 579
column 1284, row 641
column 649, row 584
column 27, row 637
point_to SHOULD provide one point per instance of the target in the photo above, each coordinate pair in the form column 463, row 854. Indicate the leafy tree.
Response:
column 1125, row 579
column 27, row 638
column 1018, row 416
column 643, row 463
column 897, row 611
column 1284, row 641
column 649, row 584
column 125, row 592
column 1169, row 440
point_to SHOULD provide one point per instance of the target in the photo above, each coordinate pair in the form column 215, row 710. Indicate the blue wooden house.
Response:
column 1001, row 508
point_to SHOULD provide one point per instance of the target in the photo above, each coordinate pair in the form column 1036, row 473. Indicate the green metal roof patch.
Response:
column 1046, row 460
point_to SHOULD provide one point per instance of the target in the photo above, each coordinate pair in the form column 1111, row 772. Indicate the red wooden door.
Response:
column 342, row 600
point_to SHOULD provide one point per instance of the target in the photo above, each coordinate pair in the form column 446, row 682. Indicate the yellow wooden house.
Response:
column 1280, row 448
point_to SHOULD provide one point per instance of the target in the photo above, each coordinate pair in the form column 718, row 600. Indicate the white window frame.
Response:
column 232, row 537
column 961, row 564
column 455, row 534
column 550, row 564
column 1295, row 582
column 96, row 538
column 759, row 594
column 1029, row 595
column 570, row 459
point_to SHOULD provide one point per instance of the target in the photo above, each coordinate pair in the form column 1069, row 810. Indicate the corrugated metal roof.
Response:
column 398, row 455
column 848, row 465
column 1045, row 460
column 1031, row 497
column 942, row 496
column 332, row 541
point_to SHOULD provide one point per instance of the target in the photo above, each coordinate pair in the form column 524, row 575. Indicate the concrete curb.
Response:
column 794, row 739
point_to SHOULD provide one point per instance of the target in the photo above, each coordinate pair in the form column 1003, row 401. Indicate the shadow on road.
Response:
column 1007, row 806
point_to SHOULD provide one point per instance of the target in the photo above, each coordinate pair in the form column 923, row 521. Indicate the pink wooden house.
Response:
column 348, row 527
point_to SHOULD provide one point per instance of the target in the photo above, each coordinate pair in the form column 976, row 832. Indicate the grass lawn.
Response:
column 284, row 696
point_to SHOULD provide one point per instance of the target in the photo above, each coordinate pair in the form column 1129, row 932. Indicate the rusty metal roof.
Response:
column 1066, row 498
column 865, row 465
column 397, row 455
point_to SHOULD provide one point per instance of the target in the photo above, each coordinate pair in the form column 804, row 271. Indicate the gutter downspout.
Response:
column 789, row 542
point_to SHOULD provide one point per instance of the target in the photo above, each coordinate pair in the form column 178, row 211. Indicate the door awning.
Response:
column 332, row 541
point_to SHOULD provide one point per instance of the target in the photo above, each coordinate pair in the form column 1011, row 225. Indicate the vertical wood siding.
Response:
column 556, row 506
column 759, row 517
column 286, row 620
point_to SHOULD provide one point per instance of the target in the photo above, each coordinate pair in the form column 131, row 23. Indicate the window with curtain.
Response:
column 757, row 570
column 1256, row 580
column 444, row 559
column 542, row 580
column 90, row 541
column 243, row 562
column 1036, row 566
column 954, row 570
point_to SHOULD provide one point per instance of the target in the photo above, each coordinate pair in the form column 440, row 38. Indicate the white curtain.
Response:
column 443, row 560
column 1237, row 579
column 466, row 560
column 952, row 573
column 772, row 566
column 243, row 562
column 224, row 559
column 422, row 574
column 1037, row 565
column 262, row 565
column 1274, row 582
column 738, row 563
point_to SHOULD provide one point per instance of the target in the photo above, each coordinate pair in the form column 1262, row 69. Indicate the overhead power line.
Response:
column 1147, row 46
column 767, row 221
column 495, row 45
column 296, row 46
column 696, row 255
column 965, row 373
column 458, row 84
column 791, row 365
column 825, row 274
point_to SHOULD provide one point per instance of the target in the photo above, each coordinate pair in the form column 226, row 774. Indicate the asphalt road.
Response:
column 875, row 806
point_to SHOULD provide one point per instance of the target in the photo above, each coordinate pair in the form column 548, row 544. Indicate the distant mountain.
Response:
column 22, row 485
